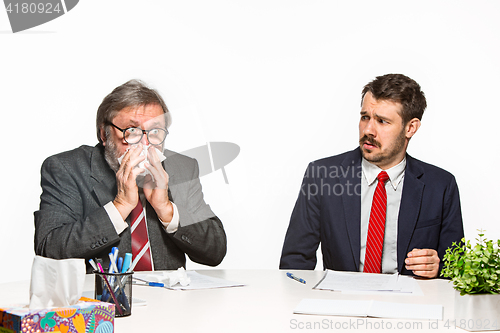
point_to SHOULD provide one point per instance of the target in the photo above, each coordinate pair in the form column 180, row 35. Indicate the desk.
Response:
column 265, row 304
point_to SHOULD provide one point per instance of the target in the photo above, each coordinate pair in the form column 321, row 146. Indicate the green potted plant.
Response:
column 474, row 271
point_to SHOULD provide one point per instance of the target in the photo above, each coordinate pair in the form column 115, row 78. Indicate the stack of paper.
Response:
column 355, row 282
column 327, row 307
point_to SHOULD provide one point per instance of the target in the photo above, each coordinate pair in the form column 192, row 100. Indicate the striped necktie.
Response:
column 141, row 251
column 376, row 227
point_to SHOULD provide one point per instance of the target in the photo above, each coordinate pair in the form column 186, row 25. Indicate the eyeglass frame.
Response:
column 142, row 135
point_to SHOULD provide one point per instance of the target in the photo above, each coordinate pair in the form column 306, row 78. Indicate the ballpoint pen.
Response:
column 92, row 263
column 112, row 264
column 291, row 276
column 151, row 284
column 119, row 264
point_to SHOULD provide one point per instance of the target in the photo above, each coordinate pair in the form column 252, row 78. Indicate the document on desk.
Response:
column 356, row 282
column 376, row 309
column 197, row 281
column 201, row 281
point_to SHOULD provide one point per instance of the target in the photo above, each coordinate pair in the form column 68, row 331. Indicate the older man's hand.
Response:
column 128, row 193
column 156, row 187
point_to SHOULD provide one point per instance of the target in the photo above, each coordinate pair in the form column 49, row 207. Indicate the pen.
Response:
column 291, row 276
column 126, row 262
column 114, row 252
column 119, row 264
column 92, row 263
column 151, row 284
column 112, row 264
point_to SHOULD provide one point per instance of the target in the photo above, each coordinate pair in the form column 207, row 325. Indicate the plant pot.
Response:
column 479, row 312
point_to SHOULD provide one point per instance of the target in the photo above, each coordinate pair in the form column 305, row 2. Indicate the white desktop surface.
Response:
column 264, row 304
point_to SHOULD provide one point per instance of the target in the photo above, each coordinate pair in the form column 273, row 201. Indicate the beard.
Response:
column 385, row 155
column 110, row 153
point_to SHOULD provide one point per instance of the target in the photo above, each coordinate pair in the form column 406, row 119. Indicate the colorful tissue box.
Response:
column 88, row 316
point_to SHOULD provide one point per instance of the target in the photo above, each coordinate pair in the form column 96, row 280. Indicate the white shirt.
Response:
column 394, row 189
column 120, row 225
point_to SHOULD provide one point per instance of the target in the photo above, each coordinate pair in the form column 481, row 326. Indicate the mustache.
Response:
column 371, row 140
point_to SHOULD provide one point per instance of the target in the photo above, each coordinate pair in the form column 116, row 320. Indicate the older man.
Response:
column 376, row 209
column 119, row 193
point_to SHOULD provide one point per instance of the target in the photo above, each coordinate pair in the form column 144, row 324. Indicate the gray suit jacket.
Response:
column 72, row 223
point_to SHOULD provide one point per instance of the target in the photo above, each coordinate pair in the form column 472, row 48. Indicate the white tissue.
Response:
column 56, row 283
column 144, row 152
column 170, row 279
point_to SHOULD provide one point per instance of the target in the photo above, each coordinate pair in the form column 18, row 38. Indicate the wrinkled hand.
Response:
column 423, row 262
column 156, row 187
column 128, row 193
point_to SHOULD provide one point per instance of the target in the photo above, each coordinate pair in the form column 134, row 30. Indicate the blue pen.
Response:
column 291, row 276
column 151, row 284
column 92, row 263
column 115, row 250
column 126, row 262
column 119, row 264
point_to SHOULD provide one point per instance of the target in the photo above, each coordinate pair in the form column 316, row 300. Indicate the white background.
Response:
column 282, row 79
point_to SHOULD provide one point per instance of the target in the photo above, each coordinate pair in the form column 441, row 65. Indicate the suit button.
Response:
column 105, row 240
column 92, row 246
column 186, row 239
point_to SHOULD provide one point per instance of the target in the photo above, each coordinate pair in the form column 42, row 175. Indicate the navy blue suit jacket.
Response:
column 328, row 211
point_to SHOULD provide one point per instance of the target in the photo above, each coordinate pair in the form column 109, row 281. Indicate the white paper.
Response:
column 328, row 307
column 198, row 281
column 56, row 283
column 356, row 282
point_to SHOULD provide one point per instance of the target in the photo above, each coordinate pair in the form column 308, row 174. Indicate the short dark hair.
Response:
column 401, row 89
column 133, row 93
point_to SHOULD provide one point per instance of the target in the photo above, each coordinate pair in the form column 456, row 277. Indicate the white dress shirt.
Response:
column 120, row 225
column 394, row 189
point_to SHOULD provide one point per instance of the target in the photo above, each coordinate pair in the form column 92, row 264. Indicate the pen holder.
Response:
column 115, row 288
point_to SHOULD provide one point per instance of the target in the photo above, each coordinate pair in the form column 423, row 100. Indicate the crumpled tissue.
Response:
column 56, row 282
column 144, row 152
column 171, row 278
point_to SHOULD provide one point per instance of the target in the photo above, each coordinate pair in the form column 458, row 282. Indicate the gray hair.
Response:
column 133, row 93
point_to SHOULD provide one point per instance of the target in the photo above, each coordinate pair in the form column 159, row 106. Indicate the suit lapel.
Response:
column 103, row 177
column 411, row 200
column 351, row 167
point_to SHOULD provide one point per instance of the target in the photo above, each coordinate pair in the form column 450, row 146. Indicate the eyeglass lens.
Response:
column 155, row 136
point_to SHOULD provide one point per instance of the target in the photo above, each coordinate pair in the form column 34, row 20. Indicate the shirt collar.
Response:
column 396, row 173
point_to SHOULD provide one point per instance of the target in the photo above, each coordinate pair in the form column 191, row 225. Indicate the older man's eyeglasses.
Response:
column 133, row 135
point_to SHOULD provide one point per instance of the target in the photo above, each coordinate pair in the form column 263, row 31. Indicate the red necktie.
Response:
column 141, row 251
column 376, row 227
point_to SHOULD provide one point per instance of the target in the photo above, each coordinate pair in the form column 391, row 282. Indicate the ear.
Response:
column 412, row 127
column 103, row 135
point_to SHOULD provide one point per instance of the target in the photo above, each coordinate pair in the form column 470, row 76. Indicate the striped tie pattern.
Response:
column 376, row 227
column 141, row 251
